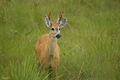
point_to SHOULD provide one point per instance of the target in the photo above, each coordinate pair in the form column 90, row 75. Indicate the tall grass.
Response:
column 90, row 42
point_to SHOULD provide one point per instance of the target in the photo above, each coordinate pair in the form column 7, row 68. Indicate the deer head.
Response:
column 55, row 28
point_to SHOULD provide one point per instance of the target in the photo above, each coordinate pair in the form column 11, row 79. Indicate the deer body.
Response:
column 47, row 49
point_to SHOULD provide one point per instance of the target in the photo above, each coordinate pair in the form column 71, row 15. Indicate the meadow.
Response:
column 90, row 42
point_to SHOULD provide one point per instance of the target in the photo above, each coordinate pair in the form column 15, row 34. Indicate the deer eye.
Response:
column 53, row 29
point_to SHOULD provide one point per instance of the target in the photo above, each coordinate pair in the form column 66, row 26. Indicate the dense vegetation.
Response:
column 90, row 42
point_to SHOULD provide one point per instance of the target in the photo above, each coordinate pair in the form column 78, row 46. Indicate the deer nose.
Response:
column 58, row 36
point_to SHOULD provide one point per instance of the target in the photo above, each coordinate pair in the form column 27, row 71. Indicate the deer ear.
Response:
column 63, row 23
column 47, row 22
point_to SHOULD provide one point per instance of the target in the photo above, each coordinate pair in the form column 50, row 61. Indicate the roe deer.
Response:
column 47, row 49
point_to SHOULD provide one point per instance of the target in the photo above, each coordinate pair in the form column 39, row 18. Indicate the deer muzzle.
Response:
column 58, row 36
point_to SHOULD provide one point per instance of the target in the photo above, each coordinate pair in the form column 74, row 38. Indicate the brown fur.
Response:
column 47, row 49
column 47, row 52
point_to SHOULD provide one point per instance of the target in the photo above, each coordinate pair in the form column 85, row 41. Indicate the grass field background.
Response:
column 90, row 42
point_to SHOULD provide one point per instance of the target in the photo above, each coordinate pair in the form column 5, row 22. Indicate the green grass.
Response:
column 90, row 42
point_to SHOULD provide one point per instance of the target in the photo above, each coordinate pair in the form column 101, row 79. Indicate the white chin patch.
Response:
column 53, row 36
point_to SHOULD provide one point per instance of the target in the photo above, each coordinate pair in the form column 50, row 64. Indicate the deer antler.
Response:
column 48, row 15
column 59, row 17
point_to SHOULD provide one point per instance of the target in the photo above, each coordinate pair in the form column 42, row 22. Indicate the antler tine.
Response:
column 49, row 15
column 59, row 17
column 60, row 14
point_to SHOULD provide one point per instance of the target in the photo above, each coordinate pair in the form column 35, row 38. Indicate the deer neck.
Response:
column 52, row 45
